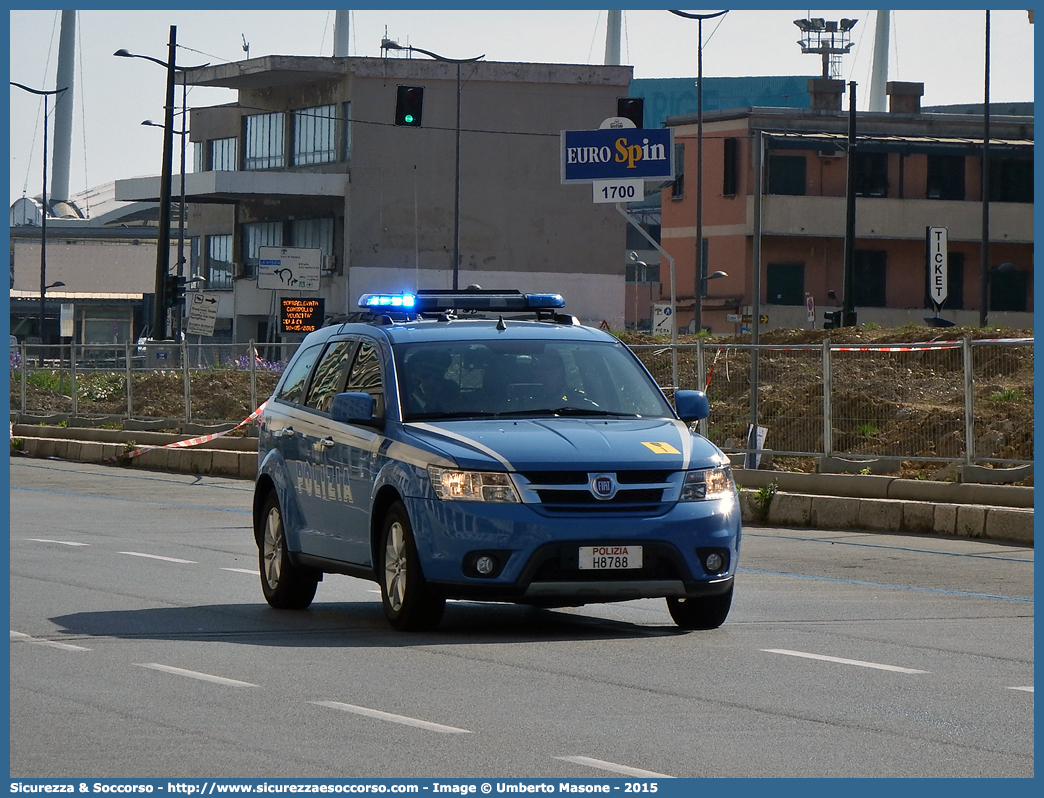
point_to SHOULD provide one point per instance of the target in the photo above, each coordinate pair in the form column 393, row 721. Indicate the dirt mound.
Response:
column 883, row 404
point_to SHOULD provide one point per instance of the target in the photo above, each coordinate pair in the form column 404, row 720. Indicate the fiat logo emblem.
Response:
column 603, row 486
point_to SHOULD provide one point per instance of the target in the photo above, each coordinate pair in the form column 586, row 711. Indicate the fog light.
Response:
column 714, row 562
column 485, row 565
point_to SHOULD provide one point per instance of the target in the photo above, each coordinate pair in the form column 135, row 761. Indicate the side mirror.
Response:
column 354, row 408
column 691, row 405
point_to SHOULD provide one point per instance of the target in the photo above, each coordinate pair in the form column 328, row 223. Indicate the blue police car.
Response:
column 483, row 445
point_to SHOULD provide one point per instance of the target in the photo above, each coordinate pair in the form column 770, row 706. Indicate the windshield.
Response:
column 519, row 378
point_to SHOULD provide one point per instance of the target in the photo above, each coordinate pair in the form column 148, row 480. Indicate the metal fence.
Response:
column 967, row 401
column 174, row 382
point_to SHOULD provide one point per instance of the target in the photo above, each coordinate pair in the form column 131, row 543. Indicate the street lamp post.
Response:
column 984, row 249
column 181, row 210
column 387, row 44
column 698, row 282
column 43, row 214
column 159, row 315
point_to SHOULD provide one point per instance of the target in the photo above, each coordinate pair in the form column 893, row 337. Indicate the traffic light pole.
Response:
column 848, row 315
column 159, row 311
column 389, row 45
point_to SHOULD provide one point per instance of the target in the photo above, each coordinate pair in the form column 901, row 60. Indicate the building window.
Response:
column 255, row 236
column 868, row 290
column 313, row 234
column 219, row 262
column 636, row 240
column 678, row 187
column 731, row 178
column 194, row 265
column 946, row 177
column 106, row 330
column 1011, row 180
column 224, row 155
column 1008, row 290
column 871, row 174
column 315, row 135
column 197, row 157
column 786, row 284
column 264, row 141
column 644, row 273
column 786, row 174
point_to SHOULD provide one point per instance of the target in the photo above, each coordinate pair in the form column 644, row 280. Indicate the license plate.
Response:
column 610, row 558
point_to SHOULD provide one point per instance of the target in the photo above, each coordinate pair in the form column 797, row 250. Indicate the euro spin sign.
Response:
column 617, row 154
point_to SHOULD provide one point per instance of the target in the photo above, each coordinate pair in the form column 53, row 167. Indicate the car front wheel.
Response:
column 285, row 585
column 700, row 612
column 408, row 603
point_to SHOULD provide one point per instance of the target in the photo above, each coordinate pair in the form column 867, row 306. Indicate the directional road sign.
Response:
column 294, row 268
column 202, row 313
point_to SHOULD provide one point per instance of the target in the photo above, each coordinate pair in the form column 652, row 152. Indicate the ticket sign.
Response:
column 301, row 315
column 937, row 275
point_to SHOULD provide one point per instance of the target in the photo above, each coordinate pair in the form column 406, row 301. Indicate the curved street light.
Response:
column 387, row 44
column 700, row 266
column 43, row 215
column 159, row 314
column 181, row 207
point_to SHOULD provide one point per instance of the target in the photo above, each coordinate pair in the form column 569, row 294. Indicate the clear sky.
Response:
column 943, row 49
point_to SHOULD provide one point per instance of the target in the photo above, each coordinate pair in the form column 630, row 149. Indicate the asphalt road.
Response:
column 141, row 646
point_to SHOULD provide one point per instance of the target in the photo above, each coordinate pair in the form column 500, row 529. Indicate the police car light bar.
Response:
column 435, row 301
column 404, row 302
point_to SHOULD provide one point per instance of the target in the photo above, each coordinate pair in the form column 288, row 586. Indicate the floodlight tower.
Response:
column 829, row 39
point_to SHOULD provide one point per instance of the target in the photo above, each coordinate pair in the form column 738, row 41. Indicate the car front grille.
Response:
column 570, row 491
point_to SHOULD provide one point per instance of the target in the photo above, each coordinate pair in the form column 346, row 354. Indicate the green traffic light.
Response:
column 409, row 119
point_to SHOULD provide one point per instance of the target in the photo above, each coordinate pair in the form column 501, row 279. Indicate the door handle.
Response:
column 325, row 443
column 285, row 432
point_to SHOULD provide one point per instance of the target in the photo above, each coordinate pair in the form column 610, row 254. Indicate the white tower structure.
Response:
column 612, row 38
column 879, row 73
column 340, row 47
column 63, row 111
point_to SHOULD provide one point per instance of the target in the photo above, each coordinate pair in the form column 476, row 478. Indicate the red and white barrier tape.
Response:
column 185, row 443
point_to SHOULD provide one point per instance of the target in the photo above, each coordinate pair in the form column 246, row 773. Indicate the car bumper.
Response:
column 537, row 554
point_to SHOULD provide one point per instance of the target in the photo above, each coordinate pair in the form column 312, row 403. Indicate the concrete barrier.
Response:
column 1003, row 524
column 823, row 501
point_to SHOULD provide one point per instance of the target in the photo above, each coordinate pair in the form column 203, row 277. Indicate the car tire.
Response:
column 286, row 586
column 409, row 604
column 700, row 612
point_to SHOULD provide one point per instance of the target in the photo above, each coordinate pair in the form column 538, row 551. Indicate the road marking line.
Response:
column 883, row 585
column 613, row 767
column 843, row 661
column 376, row 713
column 204, row 677
column 157, row 557
column 242, row 571
column 51, row 643
column 1024, row 689
column 63, row 542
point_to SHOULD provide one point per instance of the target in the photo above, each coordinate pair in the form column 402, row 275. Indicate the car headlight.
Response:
column 707, row 484
column 452, row 484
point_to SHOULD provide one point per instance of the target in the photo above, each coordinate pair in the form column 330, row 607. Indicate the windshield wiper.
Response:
column 448, row 416
column 586, row 411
